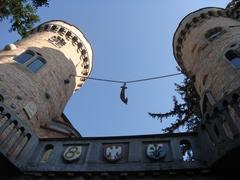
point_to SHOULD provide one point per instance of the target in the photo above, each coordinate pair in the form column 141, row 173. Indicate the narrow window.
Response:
column 24, row 57
column 204, row 79
column 36, row 64
column 47, row 152
column 233, row 57
column 216, row 131
column 205, row 104
column 227, row 130
column 16, row 152
column 186, row 151
column 1, row 98
column 214, row 33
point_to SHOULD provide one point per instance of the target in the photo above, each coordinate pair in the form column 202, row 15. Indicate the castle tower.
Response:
column 206, row 45
column 202, row 47
column 37, row 76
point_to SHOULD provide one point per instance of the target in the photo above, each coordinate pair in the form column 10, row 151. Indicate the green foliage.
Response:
column 21, row 13
column 40, row 3
column 187, row 112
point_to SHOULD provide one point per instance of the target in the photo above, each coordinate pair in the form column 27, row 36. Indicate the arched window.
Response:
column 17, row 151
column 32, row 60
column 36, row 64
column 47, row 152
column 227, row 130
column 205, row 104
column 216, row 131
column 214, row 33
column 233, row 57
column 24, row 57
column 1, row 98
column 186, row 151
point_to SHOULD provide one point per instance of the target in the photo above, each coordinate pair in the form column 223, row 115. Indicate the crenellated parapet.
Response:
column 65, row 32
column 200, row 45
column 189, row 23
column 39, row 73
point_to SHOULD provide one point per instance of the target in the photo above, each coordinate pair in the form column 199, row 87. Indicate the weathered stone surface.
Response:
column 44, row 94
column 204, row 59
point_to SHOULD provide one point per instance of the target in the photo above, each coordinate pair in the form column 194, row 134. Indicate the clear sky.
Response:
column 131, row 40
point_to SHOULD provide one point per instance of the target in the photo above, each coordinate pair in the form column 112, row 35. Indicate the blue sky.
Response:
column 131, row 40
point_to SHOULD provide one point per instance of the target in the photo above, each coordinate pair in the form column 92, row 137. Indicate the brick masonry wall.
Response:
column 203, row 59
column 45, row 88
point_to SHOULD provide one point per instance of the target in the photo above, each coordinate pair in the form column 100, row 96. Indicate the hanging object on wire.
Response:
column 124, row 87
column 122, row 93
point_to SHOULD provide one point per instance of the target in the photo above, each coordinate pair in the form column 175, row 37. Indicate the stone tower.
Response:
column 202, row 47
column 206, row 45
column 38, row 75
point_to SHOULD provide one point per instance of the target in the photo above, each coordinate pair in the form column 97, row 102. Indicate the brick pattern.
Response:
column 47, row 88
column 203, row 59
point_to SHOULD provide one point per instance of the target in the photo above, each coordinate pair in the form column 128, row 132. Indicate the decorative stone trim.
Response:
column 156, row 151
column 233, row 98
column 19, row 131
column 189, row 26
column 113, row 153
column 70, row 36
column 72, row 153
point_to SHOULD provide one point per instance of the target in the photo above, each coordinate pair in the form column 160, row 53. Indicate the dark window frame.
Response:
column 214, row 33
column 29, row 63
column 233, row 57
column 21, row 58
column 186, row 150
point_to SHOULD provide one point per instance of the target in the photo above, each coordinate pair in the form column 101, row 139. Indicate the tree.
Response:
column 187, row 113
column 21, row 13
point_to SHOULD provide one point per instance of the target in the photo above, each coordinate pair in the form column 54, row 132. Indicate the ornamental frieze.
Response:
column 113, row 153
column 72, row 153
column 155, row 151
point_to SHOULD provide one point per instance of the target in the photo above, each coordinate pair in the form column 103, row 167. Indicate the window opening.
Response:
column 216, row 131
column 186, row 151
column 227, row 130
column 24, row 57
column 47, row 152
column 204, row 79
column 205, row 104
column 32, row 60
column 233, row 57
column 214, row 33
column 1, row 99
column 36, row 64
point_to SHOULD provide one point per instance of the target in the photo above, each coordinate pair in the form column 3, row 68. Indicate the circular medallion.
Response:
column 72, row 153
column 113, row 153
column 156, row 151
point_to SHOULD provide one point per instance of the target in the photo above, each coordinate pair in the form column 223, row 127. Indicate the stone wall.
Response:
column 202, row 58
column 40, row 97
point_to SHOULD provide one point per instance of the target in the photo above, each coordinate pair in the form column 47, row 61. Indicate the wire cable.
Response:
column 128, row 82
column 153, row 78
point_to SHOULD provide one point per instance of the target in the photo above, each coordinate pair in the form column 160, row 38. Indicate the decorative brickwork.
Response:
column 39, row 95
